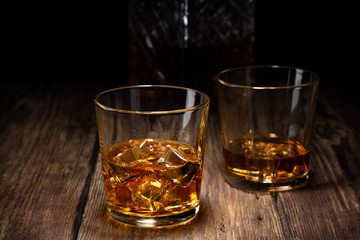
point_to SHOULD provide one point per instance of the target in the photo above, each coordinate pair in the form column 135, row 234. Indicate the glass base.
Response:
column 249, row 186
column 154, row 222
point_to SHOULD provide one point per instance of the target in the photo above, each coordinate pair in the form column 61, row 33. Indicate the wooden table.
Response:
column 51, row 183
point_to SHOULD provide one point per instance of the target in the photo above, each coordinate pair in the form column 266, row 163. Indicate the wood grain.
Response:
column 327, row 208
column 51, row 183
column 47, row 140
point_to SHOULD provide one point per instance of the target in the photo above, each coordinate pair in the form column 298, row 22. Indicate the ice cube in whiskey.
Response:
column 151, row 177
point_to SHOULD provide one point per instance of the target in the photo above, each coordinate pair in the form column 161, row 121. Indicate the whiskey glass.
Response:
column 266, row 116
column 152, row 143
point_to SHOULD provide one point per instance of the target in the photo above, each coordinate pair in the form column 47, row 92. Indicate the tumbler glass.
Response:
column 152, row 143
column 266, row 115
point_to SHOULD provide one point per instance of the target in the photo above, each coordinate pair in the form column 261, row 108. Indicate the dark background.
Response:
column 86, row 42
column 322, row 36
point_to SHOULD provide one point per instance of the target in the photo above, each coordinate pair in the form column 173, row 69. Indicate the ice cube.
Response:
column 181, row 198
column 148, row 191
column 117, row 174
column 146, row 145
column 177, row 169
column 133, row 157
column 151, row 149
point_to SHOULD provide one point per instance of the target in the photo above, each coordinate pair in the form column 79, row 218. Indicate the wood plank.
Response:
column 51, row 183
column 47, row 141
column 328, row 208
column 323, row 209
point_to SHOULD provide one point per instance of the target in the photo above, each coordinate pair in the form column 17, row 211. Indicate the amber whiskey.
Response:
column 151, row 177
column 266, row 159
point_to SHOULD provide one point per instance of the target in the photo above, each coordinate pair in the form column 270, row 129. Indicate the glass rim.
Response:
column 224, row 83
column 201, row 105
